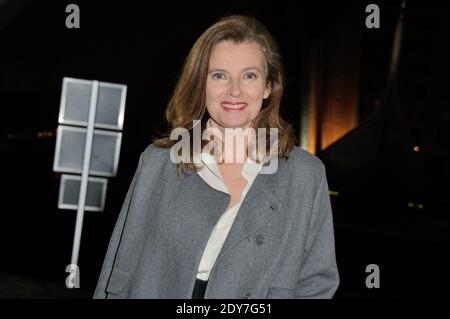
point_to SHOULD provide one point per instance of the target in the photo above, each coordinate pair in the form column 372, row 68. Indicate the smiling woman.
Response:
column 233, row 78
column 225, row 230
column 236, row 84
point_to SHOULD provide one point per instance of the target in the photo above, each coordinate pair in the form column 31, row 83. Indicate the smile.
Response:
column 233, row 107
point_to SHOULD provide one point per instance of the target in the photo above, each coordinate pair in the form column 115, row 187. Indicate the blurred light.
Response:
column 416, row 148
column 334, row 193
column 415, row 205
column 45, row 134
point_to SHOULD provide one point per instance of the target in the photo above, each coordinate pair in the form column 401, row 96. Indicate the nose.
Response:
column 234, row 89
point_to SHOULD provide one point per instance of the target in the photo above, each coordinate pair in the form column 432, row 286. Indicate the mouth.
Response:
column 233, row 107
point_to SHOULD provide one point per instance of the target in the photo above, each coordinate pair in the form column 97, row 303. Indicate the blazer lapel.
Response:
column 260, row 205
column 198, row 208
column 183, row 231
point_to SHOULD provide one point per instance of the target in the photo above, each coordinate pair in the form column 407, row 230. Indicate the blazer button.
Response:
column 247, row 295
column 259, row 239
column 269, row 204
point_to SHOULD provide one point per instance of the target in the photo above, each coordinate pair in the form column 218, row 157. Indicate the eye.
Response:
column 250, row 75
column 219, row 76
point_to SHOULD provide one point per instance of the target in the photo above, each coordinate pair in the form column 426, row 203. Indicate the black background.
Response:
column 144, row 46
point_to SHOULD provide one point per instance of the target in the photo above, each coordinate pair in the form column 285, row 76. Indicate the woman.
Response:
column 206, row 227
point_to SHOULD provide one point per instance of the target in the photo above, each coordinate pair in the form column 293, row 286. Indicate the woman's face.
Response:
column 236, row 84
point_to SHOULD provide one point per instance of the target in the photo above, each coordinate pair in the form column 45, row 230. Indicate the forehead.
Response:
column 227, row 54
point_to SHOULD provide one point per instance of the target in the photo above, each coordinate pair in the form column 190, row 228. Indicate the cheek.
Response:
column 256, row 94
column 214, row 90
column 256, row 109
column 213, row 94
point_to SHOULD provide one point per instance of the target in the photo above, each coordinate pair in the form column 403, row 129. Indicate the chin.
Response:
column 235, row 124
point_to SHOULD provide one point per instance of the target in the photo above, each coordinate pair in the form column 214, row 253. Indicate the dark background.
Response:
column 144, row 46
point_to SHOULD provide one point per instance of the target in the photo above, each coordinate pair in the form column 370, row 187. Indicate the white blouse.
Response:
column 210, row 173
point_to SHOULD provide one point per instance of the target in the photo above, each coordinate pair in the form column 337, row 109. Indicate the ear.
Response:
column 267, row 90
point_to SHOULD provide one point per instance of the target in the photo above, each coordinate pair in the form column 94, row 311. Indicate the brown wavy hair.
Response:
column 187, row 102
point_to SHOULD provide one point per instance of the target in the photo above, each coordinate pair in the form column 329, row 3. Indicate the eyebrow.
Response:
column 244, row 70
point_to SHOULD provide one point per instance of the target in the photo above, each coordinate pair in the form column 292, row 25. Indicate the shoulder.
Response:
column 154, row 157
column 155, row 152
column 301, row 159
column 304, row 167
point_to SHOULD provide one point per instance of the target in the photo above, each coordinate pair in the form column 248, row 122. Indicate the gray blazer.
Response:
column 281, row 244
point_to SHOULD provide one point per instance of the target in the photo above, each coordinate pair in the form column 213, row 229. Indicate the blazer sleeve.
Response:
column 105, row 274
column 319, row 276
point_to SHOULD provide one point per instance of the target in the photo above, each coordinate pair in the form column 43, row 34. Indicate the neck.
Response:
column 234, row 145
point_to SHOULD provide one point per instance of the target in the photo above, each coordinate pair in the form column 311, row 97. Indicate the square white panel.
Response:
column 75, row 101
column 70, row 145
column 69, row 192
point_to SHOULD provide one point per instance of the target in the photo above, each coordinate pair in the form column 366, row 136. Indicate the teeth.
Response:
column 233, row 106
